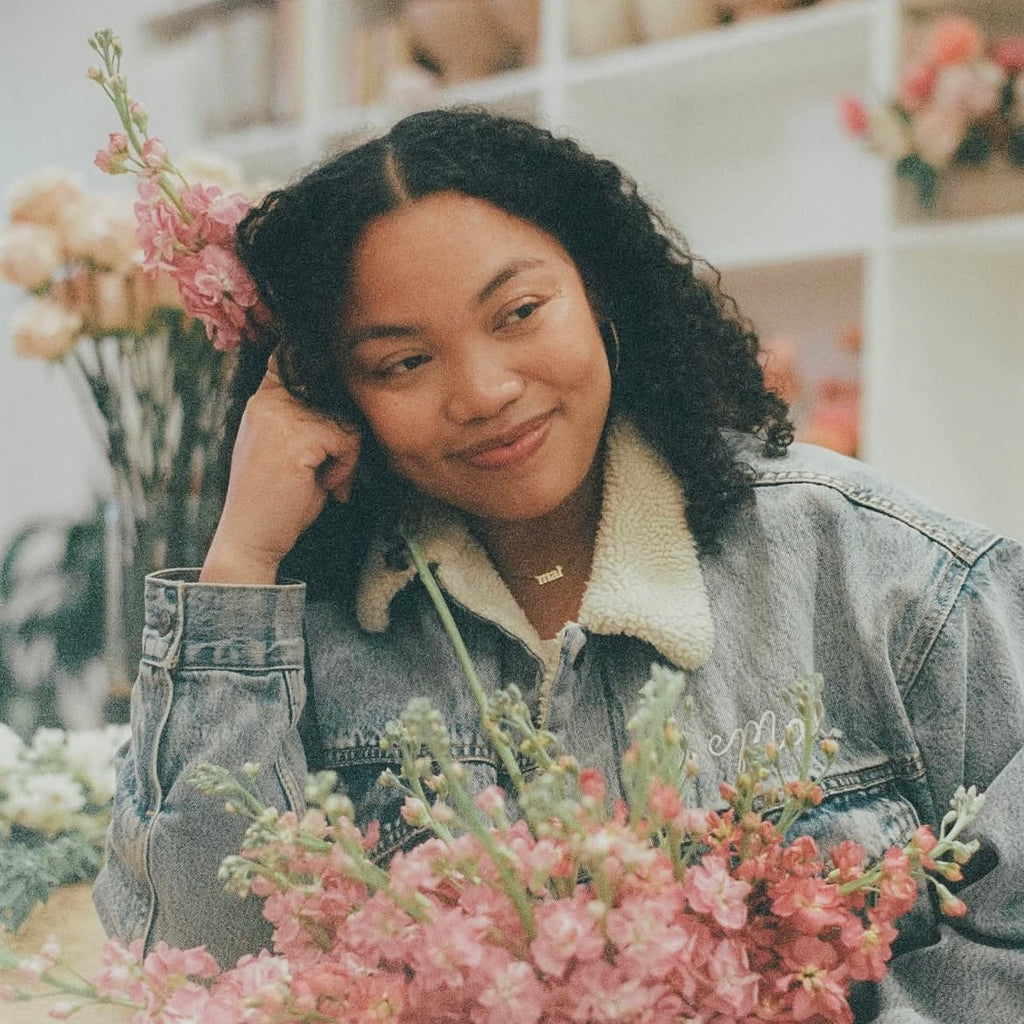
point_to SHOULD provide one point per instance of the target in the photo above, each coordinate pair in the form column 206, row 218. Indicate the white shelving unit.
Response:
column 734, row 133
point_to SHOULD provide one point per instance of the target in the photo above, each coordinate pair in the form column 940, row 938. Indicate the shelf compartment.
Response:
column 744, row 155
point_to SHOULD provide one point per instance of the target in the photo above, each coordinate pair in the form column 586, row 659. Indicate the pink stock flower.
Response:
column 216, row 289
column 810, row 903
column 868, row 947
column 734, row 987
column 158, row 230
column 514, row 996
column 710, row 889
column 817, row 981
column 165, row 965
column 212, row 216
column 566, row 933
column 154, row 157
column 848, row 858
column 114, row 158
column 651, row 936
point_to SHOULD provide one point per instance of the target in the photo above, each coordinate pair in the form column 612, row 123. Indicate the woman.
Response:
column 483, row 333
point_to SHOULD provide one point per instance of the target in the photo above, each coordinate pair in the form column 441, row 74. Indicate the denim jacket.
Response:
column 915, row 620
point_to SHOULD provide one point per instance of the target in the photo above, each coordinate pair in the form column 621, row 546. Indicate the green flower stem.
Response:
column 497, row 738
column 470, row 819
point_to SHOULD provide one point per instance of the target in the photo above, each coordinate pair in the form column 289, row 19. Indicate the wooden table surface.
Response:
column 69, row 916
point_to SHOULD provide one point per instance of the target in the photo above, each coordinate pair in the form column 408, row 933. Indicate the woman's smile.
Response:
column 510, row 448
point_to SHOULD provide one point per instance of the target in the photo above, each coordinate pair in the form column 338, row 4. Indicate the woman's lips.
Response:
column 510, row 449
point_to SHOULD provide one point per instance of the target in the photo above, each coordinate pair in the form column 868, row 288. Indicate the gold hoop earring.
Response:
column 615, row 343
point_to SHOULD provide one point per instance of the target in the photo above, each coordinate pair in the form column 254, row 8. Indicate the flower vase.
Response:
column 163, row 433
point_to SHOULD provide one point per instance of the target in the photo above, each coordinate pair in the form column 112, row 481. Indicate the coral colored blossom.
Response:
column 954, row 39
column 710, row 889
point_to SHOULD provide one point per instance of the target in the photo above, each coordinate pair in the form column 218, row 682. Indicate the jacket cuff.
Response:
column 214, row 625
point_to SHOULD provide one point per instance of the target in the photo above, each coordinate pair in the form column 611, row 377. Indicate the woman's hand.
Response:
column 286, row 460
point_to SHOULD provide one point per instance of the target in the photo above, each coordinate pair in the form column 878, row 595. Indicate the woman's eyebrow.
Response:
column 506, row 273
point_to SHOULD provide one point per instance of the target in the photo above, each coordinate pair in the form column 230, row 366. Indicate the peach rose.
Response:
column 43, row 196
column 101, row 229
column 29, row 254
column 44, row 329
column 954, row 40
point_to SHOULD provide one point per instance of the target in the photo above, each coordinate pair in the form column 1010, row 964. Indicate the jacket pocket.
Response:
column 359, row 770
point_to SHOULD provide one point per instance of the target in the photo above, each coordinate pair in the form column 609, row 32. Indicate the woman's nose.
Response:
column 480, row 384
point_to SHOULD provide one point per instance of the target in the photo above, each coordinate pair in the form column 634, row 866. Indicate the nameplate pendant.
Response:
column 550, row 576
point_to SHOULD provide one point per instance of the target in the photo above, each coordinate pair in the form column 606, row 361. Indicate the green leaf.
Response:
column 30, row 872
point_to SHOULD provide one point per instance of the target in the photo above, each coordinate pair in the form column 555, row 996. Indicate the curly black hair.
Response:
column 688, row 367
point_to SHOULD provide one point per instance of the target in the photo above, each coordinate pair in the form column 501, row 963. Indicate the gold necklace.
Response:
column 544, row 578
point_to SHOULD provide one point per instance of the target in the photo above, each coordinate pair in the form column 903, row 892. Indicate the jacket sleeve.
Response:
column 967, row 708
column 221, row 680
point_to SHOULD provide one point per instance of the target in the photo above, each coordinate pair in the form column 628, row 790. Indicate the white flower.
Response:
column 90, row 759
column 44, row 329
column 43, row 196
column 970, row 90
column 29, row 254
column 938, row 132
column 46, row 802
column 11, row 749
column 46, row 743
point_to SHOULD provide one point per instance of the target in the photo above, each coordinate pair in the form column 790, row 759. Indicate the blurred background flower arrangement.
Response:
column 56, row 794
column 959, row 104
column 153, row 390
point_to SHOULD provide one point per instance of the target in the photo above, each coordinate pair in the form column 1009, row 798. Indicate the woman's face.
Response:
column 470, row 347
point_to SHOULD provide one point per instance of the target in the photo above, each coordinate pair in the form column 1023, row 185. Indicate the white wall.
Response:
column 50, row 113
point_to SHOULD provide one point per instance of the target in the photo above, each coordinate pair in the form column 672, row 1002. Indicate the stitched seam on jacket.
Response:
column 871, row 500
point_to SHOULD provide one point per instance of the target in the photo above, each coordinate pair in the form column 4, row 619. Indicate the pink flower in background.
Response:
column 854, row 115
column 954, row 39
column 916, row 85
column 1008, row 53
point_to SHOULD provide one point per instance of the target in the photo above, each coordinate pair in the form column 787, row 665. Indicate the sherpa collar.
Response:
column 645, row 581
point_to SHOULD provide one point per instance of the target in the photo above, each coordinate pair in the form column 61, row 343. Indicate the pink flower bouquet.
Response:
column 959, row 100
column 553, row 904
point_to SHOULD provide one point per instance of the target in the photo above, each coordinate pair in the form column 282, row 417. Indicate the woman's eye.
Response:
column 402, row 366
column 519, row 313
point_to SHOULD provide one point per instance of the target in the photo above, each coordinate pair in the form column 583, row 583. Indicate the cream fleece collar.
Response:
column 645, row 581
